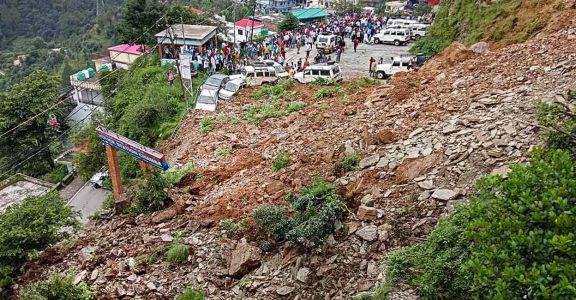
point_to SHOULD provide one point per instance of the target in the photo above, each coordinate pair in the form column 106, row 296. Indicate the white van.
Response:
column 396, row 36
column 327, row 42
column 257, row 75
column 329, row 71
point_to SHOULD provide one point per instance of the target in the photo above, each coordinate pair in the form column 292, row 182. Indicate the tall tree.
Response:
column 289, row 23
column 140, row 21
column 26, row 99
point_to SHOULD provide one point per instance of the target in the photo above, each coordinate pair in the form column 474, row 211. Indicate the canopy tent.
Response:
column 309, row 14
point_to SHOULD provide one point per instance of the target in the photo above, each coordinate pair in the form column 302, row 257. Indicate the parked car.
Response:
column 327, row 42
column 231, row 88
column 329, row 71
column 207, row 99
column 215, row 82
column 417, row 31
column 400, row 22
column 396, row 36
column 98, row 179
column 398, row 64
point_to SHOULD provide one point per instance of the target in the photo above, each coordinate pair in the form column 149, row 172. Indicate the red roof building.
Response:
column 248, row 23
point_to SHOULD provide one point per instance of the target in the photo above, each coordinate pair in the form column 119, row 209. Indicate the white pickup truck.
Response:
column 398, row 64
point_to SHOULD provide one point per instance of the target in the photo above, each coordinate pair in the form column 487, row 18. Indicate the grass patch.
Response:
column 295, row 106
column 232, row 228
column 363, row 83
column 173, row 176
column 349, row 163
column 223, row 151
column 206, row 125
column 191, row 294
column 177, row 253
column 345, row 100
column 281, row 161
column 325, row 82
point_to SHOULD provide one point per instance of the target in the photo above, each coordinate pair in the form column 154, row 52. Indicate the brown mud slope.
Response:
column 425, row 138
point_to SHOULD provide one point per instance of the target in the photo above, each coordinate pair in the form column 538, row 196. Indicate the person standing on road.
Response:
column 298, row 45
column 355, row 45
column 338, row 54
column 308, row 49
column 370, row 69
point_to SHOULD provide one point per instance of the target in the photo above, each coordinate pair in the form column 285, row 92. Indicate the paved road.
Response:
column 88, row 200
column 353, row 64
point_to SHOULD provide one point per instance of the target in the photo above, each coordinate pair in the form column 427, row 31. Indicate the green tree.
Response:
column 140, row 22
column 30, row 227
column 346, row 7
column 31, row 96
column 289, row 23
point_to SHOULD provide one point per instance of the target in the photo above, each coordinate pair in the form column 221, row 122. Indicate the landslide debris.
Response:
column 424, row 138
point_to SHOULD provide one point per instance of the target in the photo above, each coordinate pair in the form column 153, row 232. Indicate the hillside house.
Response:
column 243, row 30
column 124, row 55
column 86, row 87
column 187, row 39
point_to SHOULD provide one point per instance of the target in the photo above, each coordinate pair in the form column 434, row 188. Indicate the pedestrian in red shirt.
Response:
column 355, row 44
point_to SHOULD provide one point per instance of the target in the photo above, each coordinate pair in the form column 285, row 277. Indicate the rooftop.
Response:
column 135, row 49
column 248, row 23
column 18, row 191
column 309, row 13
column 191, row 32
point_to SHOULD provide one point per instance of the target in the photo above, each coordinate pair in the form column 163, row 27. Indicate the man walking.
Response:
column 355, row 45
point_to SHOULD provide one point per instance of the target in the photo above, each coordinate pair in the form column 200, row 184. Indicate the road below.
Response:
column 355, row 64
column 88, row 201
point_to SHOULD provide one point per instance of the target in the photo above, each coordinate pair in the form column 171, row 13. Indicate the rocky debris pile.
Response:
column 424, row 138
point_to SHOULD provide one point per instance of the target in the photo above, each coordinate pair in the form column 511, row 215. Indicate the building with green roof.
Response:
column 309, row 14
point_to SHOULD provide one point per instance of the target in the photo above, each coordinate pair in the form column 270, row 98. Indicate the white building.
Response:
column 242, row 30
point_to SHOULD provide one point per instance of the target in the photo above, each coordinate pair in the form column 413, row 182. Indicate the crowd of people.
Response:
column 230, row 58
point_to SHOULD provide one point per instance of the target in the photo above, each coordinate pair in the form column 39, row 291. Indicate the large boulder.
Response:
column 244, row 259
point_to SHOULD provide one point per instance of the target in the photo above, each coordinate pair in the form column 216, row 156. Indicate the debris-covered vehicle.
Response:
column 231, row 88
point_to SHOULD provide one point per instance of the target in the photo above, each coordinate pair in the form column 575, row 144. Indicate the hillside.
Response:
column 499, row 23
column 424, row 138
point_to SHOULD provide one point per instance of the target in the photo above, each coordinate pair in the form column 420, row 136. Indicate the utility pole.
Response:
column 253, row 14
column 172, row 37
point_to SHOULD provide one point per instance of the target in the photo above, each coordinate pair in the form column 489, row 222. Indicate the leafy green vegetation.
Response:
column 289, row 23
column 147, row 195
column 174, row 175
column 30, row 227
column 205, row 125
column 317, row 208
column 329, row 92
column 56, row 175
column 191, row 294
column 471, row 21
column 56, row 287
column 363, row 82
column 295, row 106
column 223, row 151
column 281, row 161
column 177, row 253
column 349, row 163
column 270, row 91
column 38, row 91
column 232, row 228
column 325, row 82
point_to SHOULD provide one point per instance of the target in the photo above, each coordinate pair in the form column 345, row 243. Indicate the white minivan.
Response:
column 328, row 71
column 400, row 23
column 396, row 36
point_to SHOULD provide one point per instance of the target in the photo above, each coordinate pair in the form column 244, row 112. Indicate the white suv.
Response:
column 328, row 71
column 396, row 36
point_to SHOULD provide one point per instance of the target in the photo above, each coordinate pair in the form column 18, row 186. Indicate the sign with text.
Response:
column 133, row 148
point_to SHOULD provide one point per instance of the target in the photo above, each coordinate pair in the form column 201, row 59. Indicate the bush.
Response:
column 223, row 151
column 174, row 175
column 177, row 253
column 57, row 288
column 148, row 195
column 190, row 294
column 325, row 82
column 515, row 240
column 281, row 161
column 56, row 175
column 363, row 82
column 317, row 208
column 325, row 92
column 30, row 227
column 559, row 120
column 295, row 106
column 274, row 90
column 205, row 125
column 349, row 163
column 232, row 228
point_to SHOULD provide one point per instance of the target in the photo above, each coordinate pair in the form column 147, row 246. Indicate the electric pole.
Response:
column 172, row 37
